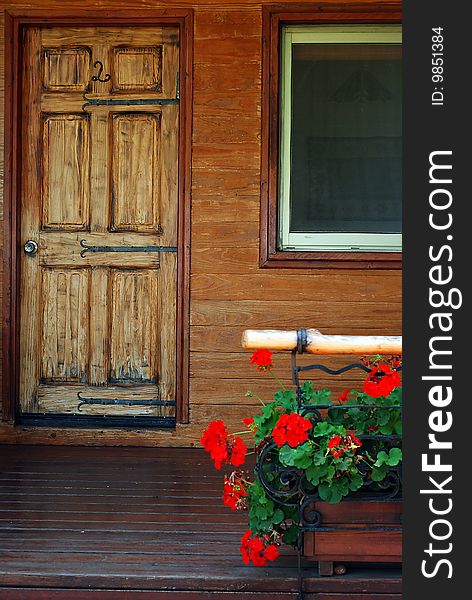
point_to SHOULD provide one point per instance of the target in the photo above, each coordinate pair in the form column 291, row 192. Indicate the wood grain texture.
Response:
column 361, row 545
column 134, row 327
column 351, row 316
column 66, row 69
column 235, row 365
column 135, row 175
column 271, row 287
column 274, row 18
column 102, row 318
column 65, row 172
column 214, row 338
column 137, row 68
column 64, row 399
column 319, row 343
column 133, row 524
column 229, row 292
column 65, row 324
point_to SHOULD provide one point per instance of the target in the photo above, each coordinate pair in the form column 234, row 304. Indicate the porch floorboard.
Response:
column 140, row 524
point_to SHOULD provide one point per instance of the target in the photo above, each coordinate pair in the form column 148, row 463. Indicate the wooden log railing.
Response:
column 314, row 342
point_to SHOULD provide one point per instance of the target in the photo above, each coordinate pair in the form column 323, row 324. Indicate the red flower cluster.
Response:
column 343, row 397
column 263, row 360
column 236, row 451
column 338, row 445
column 333, row 444
column 223, row 448
column 234, row 492
column 381, row 381
column 257, row 549
column 291, row 429
column 351, row 442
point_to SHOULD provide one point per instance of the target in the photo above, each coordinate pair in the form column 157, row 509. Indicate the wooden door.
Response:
column 99, row 196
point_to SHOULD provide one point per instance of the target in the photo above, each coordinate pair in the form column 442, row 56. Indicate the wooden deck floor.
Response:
column 139, row 524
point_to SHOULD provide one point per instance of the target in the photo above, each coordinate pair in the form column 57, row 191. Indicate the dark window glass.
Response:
column 346, row 138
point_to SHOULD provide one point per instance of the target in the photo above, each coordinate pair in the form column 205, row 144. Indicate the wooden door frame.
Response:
column 15, row 22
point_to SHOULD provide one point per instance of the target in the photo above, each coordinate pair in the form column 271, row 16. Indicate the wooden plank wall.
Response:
column 229, row 292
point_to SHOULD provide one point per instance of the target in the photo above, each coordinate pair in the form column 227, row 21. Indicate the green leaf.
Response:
column 286, row 399
column 318, row 458
column 356, row 482
column 300, row 457
column 379, row 473
column 383, row 417
column 382, row 458
column 321, row 397
column 386, row 429
column 333, row 492
column 278, row 516
column 329, row 493
column 394, row 457
column 322, row 428
column 266, row 421
column 287, row 456
column 290, row 535
column 313, row 474
column 268, row 409
column 307, row 391
column 355, row 413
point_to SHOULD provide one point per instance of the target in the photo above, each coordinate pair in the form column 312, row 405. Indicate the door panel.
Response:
column 135, row 182
column 137, row 68
column 65, row 170
column 99, row 197
column 65, row 325
column 134, row 344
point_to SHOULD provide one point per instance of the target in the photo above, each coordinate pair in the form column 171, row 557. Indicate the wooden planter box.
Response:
column 345, row 544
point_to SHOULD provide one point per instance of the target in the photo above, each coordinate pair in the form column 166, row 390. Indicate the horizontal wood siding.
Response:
column 229, row 292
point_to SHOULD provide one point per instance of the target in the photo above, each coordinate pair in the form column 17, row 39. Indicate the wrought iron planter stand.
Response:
column 366, row 525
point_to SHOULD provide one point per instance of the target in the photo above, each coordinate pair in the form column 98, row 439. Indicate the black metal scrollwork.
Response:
column 98, row 77
column 288, row 486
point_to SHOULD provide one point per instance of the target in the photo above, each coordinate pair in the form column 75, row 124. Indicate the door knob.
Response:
column 30, row 247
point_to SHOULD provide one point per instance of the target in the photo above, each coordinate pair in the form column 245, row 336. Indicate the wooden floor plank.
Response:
column 140, row 524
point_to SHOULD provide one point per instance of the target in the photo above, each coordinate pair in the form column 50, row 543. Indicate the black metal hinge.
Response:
column 88, row 248
column 130, row 102
column 120, row 402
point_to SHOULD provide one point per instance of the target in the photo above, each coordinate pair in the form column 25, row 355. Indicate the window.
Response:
column 334, row 143
column 340, row 159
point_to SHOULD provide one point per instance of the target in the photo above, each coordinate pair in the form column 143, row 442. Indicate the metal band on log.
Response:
column 317, row 343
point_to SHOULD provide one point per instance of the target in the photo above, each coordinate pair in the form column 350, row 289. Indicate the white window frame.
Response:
column 323, row 241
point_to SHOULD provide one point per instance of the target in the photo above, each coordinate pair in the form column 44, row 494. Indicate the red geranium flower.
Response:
column 334, row 444
column 291, row 429
column 334, row 441
column 248, row 421
column 263, row 360
column 256, row 549
column 223, row 448
column 343, row 397
column 271, row 552
column 381, row 381
column 351, row 442
column 237, row 451
column 215, row 441
column 233, row 493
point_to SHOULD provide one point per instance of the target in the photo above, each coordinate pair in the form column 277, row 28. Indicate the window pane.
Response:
column 346, row 127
